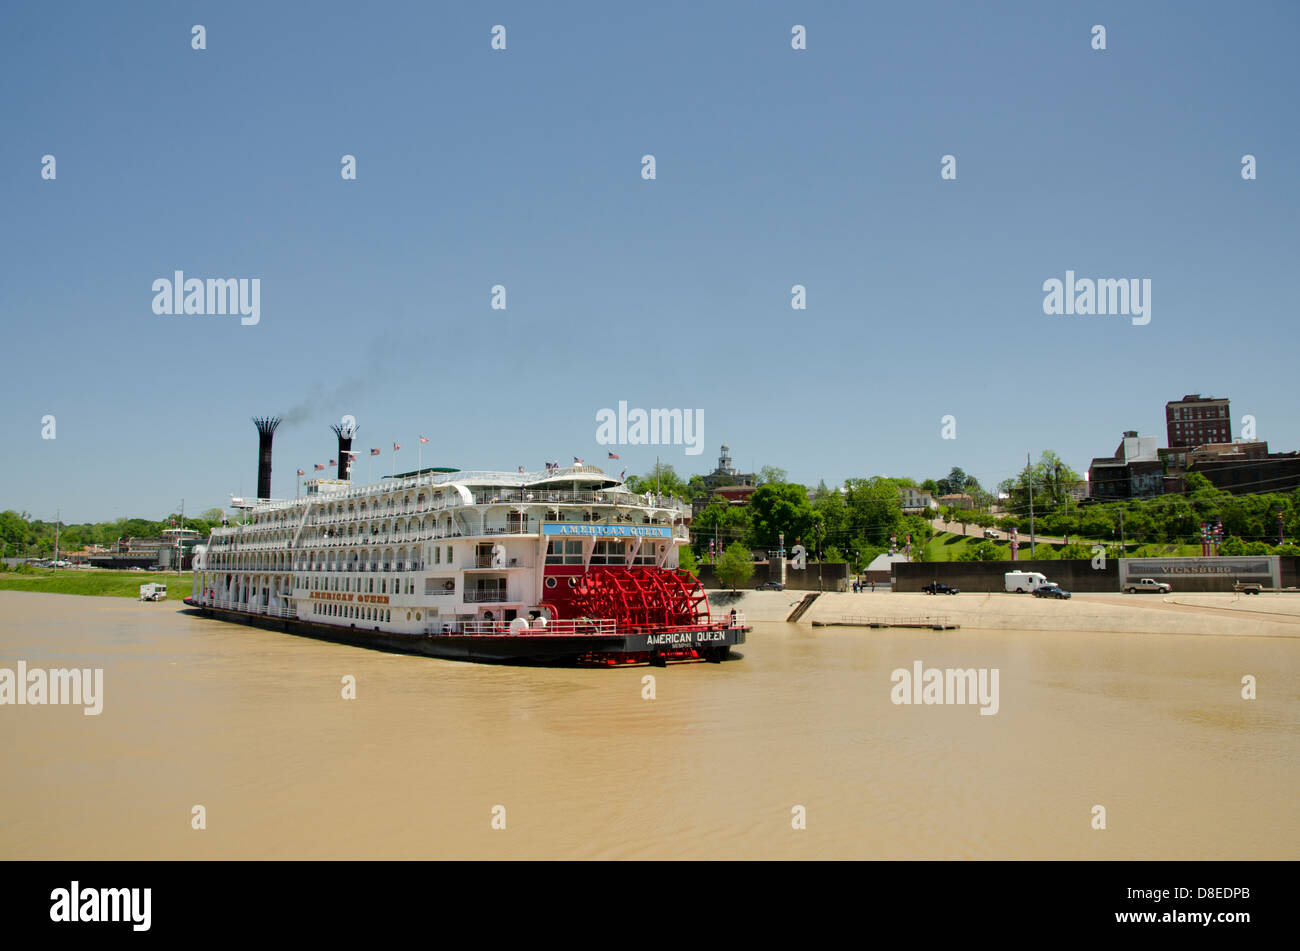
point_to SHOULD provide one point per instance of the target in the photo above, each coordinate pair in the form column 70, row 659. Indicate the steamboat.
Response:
column 562, row 565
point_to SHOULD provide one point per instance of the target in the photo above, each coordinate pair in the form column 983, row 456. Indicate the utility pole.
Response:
column 56, row 538
column 180, row 541
column 1029, row 475
column 1121, row 533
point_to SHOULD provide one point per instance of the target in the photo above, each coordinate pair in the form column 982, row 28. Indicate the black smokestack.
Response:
column 345, row 434
column 265, row 431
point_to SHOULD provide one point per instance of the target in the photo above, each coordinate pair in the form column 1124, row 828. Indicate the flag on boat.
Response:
column 577, row 461
column 396, row 447
column 300, row 472
column 334, row 462
column 423, row 439
column 521, row 468
column 623, row 475
column 374, row 452
column 613, row 455
column 318, row 467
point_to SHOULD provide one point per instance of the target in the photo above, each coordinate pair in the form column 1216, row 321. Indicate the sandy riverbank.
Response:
column 1266, row 615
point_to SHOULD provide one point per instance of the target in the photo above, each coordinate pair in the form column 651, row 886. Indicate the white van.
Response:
column 153, row 592
column 1023, row 582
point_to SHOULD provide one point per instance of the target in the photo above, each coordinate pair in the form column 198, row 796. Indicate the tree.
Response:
column 686, row 560
column 736, row 566
column 768, row 475
column 984, row 551
column 661, row 478
column 1051, row 480
column 954, row 482
column 727, row 523
column 780, row 507
column 874, row 509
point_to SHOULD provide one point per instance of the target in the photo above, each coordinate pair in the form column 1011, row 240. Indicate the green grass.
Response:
column 948, row 546
column 97, row 583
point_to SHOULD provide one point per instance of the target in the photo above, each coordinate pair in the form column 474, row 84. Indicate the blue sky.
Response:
column 522, row 167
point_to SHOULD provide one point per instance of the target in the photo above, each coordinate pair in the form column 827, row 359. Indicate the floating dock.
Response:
column 929, row 623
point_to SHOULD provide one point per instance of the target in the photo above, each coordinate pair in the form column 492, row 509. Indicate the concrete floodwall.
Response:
column 1079, row 575
column 1071, row 574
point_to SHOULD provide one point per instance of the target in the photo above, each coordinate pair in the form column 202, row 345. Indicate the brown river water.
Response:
column 252, row 725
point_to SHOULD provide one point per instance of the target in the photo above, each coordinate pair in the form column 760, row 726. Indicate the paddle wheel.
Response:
column 635, row 597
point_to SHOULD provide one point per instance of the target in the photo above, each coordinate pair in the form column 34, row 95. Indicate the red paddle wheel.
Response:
column 639, row 596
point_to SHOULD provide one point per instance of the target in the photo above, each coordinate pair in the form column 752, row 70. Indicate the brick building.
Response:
column 1197, row 421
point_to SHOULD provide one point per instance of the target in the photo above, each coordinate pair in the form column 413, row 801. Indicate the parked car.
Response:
column 938, row 587
column 1148, row 586
column 1246, row 587
column 770, row 586
column 989, row 533
column 1051, row 591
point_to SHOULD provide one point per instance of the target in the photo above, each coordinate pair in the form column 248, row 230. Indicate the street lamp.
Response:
column 819, row 527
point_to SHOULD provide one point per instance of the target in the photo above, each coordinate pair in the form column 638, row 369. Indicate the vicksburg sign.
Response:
column 1204, row 573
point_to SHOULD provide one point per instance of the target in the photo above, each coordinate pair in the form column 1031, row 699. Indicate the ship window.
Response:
column 449, row 551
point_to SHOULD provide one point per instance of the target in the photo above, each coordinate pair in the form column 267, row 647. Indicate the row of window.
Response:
column 568, row 551
column 361, row 612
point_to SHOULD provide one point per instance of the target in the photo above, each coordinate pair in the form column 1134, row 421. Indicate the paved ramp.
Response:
column 803, row 606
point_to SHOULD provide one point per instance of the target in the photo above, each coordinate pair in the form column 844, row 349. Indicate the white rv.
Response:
column 1024, row 581
column 153, row 592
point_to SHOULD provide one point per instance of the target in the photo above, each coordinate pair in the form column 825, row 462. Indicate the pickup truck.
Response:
column 1148, row 585
column 1245, row 587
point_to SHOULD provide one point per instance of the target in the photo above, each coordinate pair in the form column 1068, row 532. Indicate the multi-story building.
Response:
column 726, row 473
column 1133, row 472
column 957, row 500
column 916, row 501
column 1196, row 420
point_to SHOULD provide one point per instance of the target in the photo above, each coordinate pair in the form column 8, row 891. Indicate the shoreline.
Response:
column 1195, row 614
column 1225, row 615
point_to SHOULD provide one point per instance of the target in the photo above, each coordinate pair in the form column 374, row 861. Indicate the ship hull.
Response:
column 705, row 643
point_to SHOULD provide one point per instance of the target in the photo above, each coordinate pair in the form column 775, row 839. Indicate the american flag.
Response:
column 521, row 468
column 396, row 447
column 613, row 455
column 334, row 462
column 374, row 452
column 423, row 439
column 577, row 461
column 300, row 472
column 318, row 467
column 623, row 474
